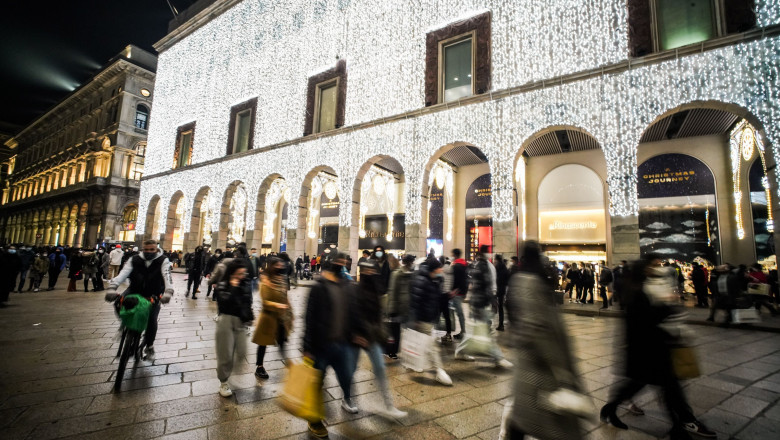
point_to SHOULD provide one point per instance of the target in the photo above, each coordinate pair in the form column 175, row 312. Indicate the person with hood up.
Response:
column 369, row 332
column 26, row 256
column 89, row 266
column 196, row 263
column 57, row 262
column 424, row 306
column 380, row 256
column 234, row 303
column 150, row 276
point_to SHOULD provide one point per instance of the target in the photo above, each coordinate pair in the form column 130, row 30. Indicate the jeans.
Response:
column 151, row 326
column 339, row 356
column 22, row 279
column 376, row 356
column 230, row 344
column 457, row 302
column 113, row 270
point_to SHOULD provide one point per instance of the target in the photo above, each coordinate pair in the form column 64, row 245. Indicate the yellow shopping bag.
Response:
column 302, row 394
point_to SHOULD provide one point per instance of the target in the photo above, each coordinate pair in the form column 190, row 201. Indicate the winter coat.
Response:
column 57, row 261
column 543, row 361
column 502, row 278
column 10, row 265
column 235, row 300
column 575, row 276
column 26, row 257
column 319, row 314
column 368, row 313
column 482, row 282
column 40, row 265
column 89, row 263
column 76, row 265
column 425, row 297
column 271, row 315
column 399, row 292
column 115, row 257
column 460, row 276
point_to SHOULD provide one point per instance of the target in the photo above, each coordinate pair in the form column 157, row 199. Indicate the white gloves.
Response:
column 166, row 298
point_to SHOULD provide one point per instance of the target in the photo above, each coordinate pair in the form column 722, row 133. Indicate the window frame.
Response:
column 180, row 132
column 479, row 26
column 335, row 82
column 338, row 72
column 147, row 114
column 470, row 35
column 717, row 18
column 235, row 110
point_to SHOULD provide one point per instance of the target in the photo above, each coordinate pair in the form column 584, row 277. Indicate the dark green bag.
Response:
column 134, row 312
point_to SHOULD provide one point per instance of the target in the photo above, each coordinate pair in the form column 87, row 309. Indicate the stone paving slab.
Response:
column 58, row 367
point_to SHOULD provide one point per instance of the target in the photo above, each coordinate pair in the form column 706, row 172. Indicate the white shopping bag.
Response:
column 477, row 341
column 745, row 316
column 414, row 350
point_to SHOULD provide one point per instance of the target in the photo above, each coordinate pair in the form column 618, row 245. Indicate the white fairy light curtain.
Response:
column 238, row 205
column 377, row 192
column 441, row 175
column 326, row 184
column 278, row 191
column 745, row 144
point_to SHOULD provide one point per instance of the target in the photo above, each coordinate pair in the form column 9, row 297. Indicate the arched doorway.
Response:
column 380, row 193
column 678, row 215
column 274, row 236
column 321, row 198
column 458, row 195
column 234, row 211
column 152, row 218
column 201, row 219
column 174, row 236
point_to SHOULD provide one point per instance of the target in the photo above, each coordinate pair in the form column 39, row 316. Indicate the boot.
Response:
column 608, row 415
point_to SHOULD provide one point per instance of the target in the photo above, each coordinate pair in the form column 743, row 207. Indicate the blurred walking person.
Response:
column 234, row 303
column 57, row 262
column 327, row 339
column 460, row 287
column 648, row 298
column 10, row 265
column 276, row 317
column 398, row 301
column 115, row 261
column 369, row 332
column 502, row 281
column 424, row 306
column 38, row 270
column 544, row 363
column 196, row 263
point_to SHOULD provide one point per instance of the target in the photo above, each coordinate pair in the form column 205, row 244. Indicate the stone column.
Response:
column 505, row 238
column 254, row 239
column 414, row 242
column 625, row 239
column 348, row 243
column 295, row 242
column 63, row 235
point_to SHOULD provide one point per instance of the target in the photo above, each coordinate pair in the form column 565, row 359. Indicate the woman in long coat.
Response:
column 544, row 362
column 276, row 318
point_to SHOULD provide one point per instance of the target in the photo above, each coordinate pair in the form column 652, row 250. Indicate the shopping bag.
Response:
column 302, row 393
column 569, row 402
column 414, row 350
column 758, row 289
column 477, row 341
column 684, row 363
column 745, row 316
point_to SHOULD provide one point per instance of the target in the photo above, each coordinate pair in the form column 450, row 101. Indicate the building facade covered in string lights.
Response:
column 73, row 175
column 602, row 128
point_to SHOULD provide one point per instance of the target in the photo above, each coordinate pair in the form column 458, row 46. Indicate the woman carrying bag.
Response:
column 544, row 370
column 276, row 318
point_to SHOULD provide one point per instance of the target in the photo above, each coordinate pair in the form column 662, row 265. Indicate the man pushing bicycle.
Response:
column 150, row 277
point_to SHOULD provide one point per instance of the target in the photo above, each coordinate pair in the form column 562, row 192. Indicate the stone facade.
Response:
column 578, row 70
column 74, row 175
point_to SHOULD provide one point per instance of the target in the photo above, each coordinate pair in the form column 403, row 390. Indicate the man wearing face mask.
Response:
column 384, row 268
column 150, row 277
column 328, row 336
column 57, row 262
column 211, row 264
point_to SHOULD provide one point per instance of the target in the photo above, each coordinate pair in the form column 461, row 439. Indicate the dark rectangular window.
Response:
column 326, row 107
column 683, row 22
column 457, row 68
column 185, row 137
column 325, row 100
column 241, row 129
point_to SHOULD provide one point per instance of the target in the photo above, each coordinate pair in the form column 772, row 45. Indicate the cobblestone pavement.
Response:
column 58, row 362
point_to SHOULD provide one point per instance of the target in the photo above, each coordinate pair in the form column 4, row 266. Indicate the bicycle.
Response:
column 133, row 310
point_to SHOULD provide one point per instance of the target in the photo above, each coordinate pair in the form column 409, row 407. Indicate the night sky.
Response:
column 49, row 48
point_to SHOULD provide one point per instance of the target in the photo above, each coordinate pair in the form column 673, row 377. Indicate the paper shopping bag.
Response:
column 302, row 394
column 477, row 341
column 414, row 350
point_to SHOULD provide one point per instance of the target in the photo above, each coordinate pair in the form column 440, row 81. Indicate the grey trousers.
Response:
column 230, row 344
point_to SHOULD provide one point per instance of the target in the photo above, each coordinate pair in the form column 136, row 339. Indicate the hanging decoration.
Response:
column 442, row 175
column 238, row 204
column 206, row 214
column 277, row 191
column 378, row 190
column 745, row 141
column 321, row 183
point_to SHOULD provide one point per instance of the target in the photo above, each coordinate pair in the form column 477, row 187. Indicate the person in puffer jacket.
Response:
column 424, row 307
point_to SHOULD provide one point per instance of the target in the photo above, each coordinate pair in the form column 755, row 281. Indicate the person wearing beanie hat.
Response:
column 115, row 261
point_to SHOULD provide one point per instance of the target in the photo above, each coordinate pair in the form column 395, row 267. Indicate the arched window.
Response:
column 129, row 217
column 137, row 166
column 141, row 116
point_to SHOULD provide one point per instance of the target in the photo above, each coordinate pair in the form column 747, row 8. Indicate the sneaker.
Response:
column 149, row 351
column 464, row 357
column 442, row 377
column 36, row 290
column 260, row 373
column 224, row 390
column 393, row 413
column 318, row 430
column 347, row 406
column 635, row 410
column 446, row 339
column 194, row 297
column 500, row 328
column 187, row 295
column 458, row 337
column 393, row 356
column 503, row 363
column 696, row 427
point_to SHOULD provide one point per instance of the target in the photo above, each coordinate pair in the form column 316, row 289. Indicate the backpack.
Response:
column 608, row 278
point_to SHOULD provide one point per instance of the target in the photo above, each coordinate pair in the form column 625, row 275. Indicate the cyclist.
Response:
column 150, row 277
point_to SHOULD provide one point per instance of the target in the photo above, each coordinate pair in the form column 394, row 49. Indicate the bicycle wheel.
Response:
column 131, row 345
